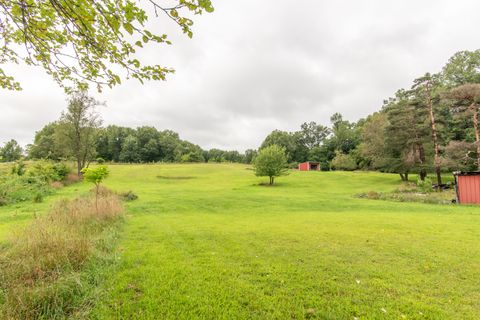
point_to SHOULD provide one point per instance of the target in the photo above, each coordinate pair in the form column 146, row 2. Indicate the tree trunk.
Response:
column 423, row 174
column 421, row 155
column 96, row 198
column 79, row 167
column 406, row 176
column 402, row 176
column 477, row 133
column 271, row 180
column 433, row 126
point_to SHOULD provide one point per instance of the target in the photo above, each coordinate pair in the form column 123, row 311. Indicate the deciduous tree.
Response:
column 271, row 162
column 11, row 151
column 313, row 134
column 77, row 130
column 44, row 145
column 87, row 41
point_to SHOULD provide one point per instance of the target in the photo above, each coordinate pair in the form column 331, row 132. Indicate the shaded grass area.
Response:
column 50, row 270
column 223, row 246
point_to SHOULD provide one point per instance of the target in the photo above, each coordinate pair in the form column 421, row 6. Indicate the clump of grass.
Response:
column 71, row 178
column 56, row 185
column 128, row 196
column 43, row 269
column 105, row 192
column 38, row 197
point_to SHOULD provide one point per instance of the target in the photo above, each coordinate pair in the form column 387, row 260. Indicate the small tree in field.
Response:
column 95, row 176
column 271, row 162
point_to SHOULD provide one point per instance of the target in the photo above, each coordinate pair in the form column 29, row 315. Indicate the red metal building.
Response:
column 467, row 185
column 309, row 166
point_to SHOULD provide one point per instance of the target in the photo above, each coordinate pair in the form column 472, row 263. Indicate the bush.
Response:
column 293, row 165
column 100, row 160
column 192, row 157
column 425, row 186
column 61, row 171
column 18, row 168
column 49, row 171
column 324, row 166
column 344, row 161
column 14, row 189
column 31, row 184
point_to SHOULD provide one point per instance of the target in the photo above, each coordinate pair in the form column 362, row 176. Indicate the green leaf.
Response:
column 128, row 27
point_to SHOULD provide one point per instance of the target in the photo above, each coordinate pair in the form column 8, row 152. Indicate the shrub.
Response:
column 18, row 168
column 14, row 189
column 344, row 162
column 49, row 171
column 324, row 166
column 424, row 186
column 100, row 160
column 61, row 171
column 293, row 165
column 192, row 157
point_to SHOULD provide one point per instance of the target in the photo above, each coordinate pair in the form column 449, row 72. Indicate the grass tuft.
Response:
column 42, row 268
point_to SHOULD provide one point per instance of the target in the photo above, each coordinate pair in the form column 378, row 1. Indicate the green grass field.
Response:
column 208, row 242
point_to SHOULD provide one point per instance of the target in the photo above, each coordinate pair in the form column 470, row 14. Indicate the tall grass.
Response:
column 48, row 270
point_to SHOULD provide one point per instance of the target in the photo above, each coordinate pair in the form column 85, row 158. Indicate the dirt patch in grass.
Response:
column 176, row 177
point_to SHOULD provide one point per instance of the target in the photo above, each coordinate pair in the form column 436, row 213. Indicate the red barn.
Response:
column 467, row 185
column 309, row 166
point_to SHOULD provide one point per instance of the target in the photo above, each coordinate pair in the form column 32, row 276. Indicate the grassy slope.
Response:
column 220, row 246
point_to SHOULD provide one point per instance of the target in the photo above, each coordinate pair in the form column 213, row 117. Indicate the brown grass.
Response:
column 56, row 185
column 71, row 179
column 41, row 266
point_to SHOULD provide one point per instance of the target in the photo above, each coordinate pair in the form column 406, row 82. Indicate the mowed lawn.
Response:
column 208, row 242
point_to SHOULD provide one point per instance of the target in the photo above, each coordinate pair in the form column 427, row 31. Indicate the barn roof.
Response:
column 466, row 173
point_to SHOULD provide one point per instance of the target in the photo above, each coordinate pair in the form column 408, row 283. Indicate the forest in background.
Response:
column 431, row 127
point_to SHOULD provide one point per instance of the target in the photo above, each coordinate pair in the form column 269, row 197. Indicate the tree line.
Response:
column 79, row 135
column 432, row 126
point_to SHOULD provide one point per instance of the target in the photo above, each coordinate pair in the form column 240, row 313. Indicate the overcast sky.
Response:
column 255, row 66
